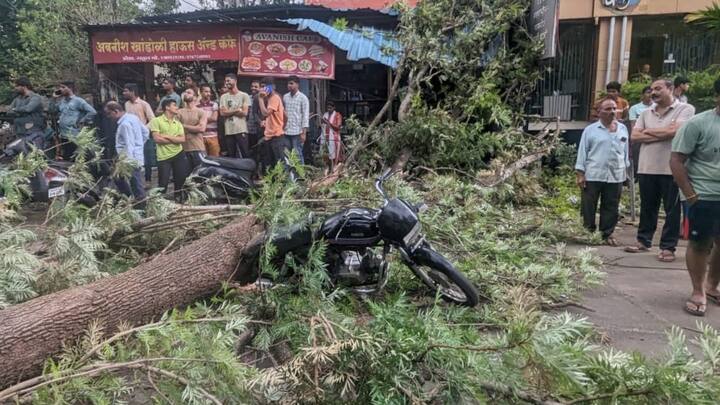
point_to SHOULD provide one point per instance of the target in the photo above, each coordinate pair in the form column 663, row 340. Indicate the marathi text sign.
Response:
column 544, row 24
column 216, row 43
column 283, row 54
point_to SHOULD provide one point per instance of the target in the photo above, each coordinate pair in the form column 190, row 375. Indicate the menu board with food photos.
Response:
column 283, row 54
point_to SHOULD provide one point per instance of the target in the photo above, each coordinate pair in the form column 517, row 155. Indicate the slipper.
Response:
column 610, row 241
column 666, row 256
column 713, row 298
column 636, row 248
column 698, row 311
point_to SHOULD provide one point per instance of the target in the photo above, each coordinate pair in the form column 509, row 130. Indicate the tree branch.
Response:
column 511, row 392
column 606, row 396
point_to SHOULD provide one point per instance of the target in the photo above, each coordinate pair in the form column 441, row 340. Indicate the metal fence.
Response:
column 569, row 74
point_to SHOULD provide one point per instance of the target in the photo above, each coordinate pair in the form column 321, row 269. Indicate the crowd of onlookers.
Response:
column 675, row 155
column 262, row 125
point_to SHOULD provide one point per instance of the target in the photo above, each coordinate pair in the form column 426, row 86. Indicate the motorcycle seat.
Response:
column 232, row 163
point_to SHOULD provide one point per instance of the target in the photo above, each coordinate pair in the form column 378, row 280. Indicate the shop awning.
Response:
column 362, row 43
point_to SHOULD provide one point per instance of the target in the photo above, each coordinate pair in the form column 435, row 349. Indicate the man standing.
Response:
column 297, row 109
column 130, row 140
column 74, row 112
column 273, row 113
column 234, row 106
column 191, row 83
column 254, row 119
column 645, row 103
column 135, row 105
column 601, row 169
column 330, row 136
column 168, row 85
column 613, row 91
column 635, row 111
column 27, row 107
column 655, row 129
column 169, row 135
column 682, row 85
column 141, row 108
column 695, row 165
column 194, row 123
column 210, row 137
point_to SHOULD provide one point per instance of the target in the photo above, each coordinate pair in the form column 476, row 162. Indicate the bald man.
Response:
column 601, row 169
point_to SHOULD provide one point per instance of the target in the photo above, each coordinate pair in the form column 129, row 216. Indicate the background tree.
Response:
column 46, row 42
column 708, row 18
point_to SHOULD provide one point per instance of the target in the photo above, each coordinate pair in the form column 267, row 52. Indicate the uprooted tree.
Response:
column 468, row 66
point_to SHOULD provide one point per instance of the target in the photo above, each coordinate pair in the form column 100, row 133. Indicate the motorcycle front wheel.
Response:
column 441, row 277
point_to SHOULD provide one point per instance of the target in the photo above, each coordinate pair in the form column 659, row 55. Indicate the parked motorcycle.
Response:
column 229, row 176
column 360, row 239
column 45, row 184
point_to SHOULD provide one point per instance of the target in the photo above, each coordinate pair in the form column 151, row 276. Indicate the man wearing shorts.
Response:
column 695, row 163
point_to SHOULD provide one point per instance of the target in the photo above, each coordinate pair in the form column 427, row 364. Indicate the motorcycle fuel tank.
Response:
column 397, row 221
column 352, row 227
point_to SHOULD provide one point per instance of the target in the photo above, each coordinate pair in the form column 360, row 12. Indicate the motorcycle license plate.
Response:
column 56, row 192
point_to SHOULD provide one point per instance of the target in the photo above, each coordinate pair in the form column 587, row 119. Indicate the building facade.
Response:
column 614, row 40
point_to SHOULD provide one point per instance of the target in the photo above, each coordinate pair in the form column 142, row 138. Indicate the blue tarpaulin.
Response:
column 360, row 43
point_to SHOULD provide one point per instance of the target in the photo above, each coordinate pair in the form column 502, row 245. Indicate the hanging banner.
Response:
column 283, row 54
column 140, row 46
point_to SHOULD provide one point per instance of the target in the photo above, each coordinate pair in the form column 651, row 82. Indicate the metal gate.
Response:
column 569, row 74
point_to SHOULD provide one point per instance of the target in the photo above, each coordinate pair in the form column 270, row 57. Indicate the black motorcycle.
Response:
column 360, row 239
column 45, row 184
column 228, row 176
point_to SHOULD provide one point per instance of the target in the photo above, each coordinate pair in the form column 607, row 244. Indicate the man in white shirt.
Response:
column 129, row 142
column 601, row 169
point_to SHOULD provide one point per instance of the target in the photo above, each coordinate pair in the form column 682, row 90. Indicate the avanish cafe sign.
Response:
column 620, row 5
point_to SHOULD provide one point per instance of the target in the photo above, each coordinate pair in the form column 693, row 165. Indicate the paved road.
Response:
column 642, row 298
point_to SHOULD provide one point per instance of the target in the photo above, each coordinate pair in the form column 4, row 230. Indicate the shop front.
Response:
column 347, row 67
column 615, row 40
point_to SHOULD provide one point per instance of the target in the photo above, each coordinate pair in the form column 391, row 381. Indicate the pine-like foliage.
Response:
column 18, row 267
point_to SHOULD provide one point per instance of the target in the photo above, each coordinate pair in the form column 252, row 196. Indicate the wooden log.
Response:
column 33, row 331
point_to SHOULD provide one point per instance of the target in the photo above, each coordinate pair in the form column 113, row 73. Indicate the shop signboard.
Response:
column 157, row 46
column 620, row 5
column 286, row 53
column 544, row 24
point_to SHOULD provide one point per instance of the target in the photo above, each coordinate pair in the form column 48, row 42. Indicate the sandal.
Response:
column 713, row 298
column 639, row 248
column 610, row 241
column 666, row 256
column 699, row 309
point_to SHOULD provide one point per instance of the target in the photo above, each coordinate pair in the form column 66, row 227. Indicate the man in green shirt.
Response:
column 168, row 133
column 695, row 164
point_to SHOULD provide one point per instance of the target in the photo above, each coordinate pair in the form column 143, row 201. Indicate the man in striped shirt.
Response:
column 297, row 111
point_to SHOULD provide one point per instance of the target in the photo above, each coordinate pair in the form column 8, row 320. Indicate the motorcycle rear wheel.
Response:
column 441, row 277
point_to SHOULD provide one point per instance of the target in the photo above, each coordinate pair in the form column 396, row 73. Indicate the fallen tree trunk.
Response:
column 35, row 330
